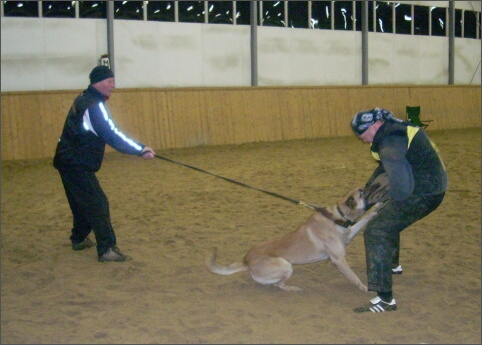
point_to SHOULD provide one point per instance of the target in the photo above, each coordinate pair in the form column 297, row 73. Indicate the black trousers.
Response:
column 90, row 208
column 382, row 236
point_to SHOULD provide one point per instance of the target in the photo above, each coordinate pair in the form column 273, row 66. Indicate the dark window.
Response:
column 58, row 9
column 162, row 11
column 439, row 15
column 20, row 8
column 298, row 14
column 220, row 12
column 470, row 24
column 421, row 15
column 384, row 16
column 321, row 15
column 92, row 9
column 458, row 23
column 372, row 16
column 358, row 11
column 343, row 15
column 243, row 13
column 273, row 13
column 191, row 11
column 128, row 10
column 358, row 14
column 480, row 25
column 403, row 19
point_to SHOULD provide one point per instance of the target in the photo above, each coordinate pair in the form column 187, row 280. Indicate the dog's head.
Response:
column 353, row 205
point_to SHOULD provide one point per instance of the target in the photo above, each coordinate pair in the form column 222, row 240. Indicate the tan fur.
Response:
column 319, row 238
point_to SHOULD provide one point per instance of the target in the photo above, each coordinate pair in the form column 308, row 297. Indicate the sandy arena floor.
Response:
column 168, row 218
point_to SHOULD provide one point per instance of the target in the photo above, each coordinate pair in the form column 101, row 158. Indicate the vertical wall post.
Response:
column 364, row 19
column 110, row 34
column 451, row 41
column 254, row 43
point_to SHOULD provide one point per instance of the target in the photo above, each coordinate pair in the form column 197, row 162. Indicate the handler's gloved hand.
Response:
column 377, row 190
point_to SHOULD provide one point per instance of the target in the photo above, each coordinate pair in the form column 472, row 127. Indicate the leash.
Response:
column 298, row 202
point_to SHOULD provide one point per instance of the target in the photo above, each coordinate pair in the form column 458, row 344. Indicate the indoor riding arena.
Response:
column 248, row 106
column 169, row 216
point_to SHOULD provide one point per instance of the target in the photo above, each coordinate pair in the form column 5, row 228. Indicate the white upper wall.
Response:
column 303, row 57
column 157, row 54
column 46, row 54
column 59, row 53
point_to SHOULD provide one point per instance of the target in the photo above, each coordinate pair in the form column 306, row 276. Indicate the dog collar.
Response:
column 344, row 222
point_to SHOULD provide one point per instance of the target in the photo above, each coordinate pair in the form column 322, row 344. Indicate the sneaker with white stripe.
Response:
column 397, row 270
column 377, row 305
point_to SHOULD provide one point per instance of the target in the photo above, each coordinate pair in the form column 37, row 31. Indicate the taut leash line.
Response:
column 298, row 202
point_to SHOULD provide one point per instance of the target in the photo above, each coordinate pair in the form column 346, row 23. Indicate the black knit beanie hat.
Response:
column 365, row 119
column 100, row 73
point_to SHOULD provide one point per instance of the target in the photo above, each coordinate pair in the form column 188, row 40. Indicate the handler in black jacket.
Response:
column 417, row 181
column 79, row 154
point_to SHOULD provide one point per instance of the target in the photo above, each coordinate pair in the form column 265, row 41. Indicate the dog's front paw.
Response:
column 363, row 288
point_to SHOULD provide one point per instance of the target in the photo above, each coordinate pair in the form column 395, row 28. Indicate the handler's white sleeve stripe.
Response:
column 115, row 130
column 87, row 124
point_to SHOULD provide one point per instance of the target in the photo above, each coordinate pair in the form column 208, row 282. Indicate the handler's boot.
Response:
column 87, row 243
column 113, row 254
column 377, row 305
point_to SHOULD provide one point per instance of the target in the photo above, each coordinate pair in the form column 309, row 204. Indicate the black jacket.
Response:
column 410, row 159
column 87, row 129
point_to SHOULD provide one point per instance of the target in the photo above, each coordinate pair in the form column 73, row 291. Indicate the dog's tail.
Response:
column 214, row 267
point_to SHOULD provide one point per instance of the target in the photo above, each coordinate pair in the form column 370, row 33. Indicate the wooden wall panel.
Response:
column 185, row 117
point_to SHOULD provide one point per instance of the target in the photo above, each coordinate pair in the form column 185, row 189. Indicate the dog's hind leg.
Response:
column 283, row 286
column 273, row 271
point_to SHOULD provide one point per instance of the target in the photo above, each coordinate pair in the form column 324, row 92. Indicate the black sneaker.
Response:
column 397, row 270
column 113, row 254
column 87, row 243
column 377, row 306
